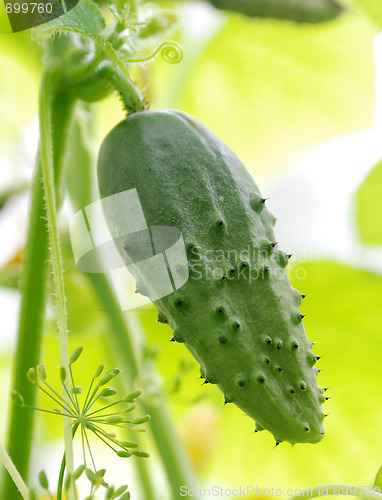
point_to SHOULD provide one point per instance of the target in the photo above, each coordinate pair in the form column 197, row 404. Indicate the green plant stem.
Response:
column 116, row 73
column 128, row 348
column 49, row 78
column 145, row 479
column 174, row 459
column 332, row 489
column 63, row 467
column 5, row 459
column 61, row 477
column 33, row 299
column 33, row 296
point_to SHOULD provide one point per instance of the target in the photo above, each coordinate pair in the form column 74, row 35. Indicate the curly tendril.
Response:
column 171, row 52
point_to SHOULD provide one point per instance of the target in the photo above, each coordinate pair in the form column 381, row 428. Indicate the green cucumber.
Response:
column 237, row 313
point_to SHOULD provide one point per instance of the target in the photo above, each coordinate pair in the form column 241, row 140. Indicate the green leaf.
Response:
column 107, row 392
column 62, row 374
column 43, row 480
column 108, row 376
column 115, row 419
column 141, row 420
column 118, row 492
column 75, row 354
column 17, row 398
column 129, row 408
column 109, row 493
column 78, row 472
column 99, row 370
column 141, row 454
column 41, row 371
column 100, row 473
column 85, row 18
column 31, row 376
column 369, row 207
column 300, row 11
column 129, row 444
column 91, row 476
column 132, row 396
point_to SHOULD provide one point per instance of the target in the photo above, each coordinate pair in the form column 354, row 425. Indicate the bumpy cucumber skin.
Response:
column 247, row 336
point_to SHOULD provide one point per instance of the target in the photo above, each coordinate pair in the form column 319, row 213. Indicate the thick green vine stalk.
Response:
column 33, row 299
column 49, row 78
column 31, row 319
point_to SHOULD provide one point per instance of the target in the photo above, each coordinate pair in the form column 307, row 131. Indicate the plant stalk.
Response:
column 118, row 76
column 49, row 78
column 33, row 285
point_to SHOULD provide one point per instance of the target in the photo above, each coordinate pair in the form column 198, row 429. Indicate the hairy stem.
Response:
column 337, row 489
column 63, row 467
column 31, row 320
column 47, row 84
column 5, row 459
column 33, row 299
column 116, row 73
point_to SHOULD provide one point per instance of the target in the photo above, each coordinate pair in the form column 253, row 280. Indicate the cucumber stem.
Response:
column 31, row 321
column 33, row 300
column 49, row 78
column 116, row 73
